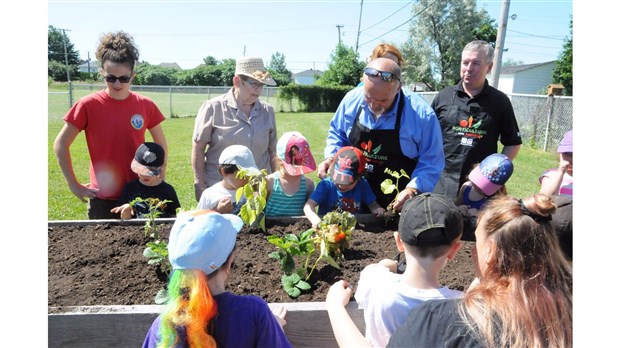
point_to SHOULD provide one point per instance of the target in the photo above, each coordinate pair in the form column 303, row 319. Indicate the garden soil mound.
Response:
column 93, row 265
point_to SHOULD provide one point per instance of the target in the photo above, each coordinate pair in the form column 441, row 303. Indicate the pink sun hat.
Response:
column 294, row 151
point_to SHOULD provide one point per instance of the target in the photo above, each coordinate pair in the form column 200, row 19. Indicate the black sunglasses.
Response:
column 384, row 75
column 122, row 79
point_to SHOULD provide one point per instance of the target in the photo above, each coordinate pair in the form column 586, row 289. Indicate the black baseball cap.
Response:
column 430, row 219
column 148, row 159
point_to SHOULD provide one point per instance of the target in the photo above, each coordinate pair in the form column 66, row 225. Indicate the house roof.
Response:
column 170, row 65
column 512, row 69
column 93, row 63
column 309, row 72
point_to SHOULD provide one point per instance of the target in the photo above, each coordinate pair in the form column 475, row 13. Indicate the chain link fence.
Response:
column 542, row 120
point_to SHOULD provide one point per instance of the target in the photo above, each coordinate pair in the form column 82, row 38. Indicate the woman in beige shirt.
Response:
column 237, row 117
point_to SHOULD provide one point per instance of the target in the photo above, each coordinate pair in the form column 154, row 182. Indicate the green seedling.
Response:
column 388, row 186
column 255, row 192
column 331, row 239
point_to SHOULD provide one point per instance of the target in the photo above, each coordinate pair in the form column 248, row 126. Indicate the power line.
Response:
column 407, row 21
column 540, row 36
column 386, row 18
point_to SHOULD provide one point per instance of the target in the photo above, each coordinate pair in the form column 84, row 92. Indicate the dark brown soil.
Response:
column 102, row 264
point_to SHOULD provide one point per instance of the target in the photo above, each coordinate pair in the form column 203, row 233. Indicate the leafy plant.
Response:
column 255, row 192
column 335, row 231
column 388, row 186
column 155, row 206
column 331, row 238
column 289, row 247
column 156, row 250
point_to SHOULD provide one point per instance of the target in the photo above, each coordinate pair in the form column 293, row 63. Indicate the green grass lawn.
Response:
column 63, row 205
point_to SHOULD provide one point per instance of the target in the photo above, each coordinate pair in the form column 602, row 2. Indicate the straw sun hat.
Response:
column 253, row 67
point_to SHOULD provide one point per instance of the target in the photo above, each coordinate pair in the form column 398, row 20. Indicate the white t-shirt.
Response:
column 214, row 194
column 387, row 301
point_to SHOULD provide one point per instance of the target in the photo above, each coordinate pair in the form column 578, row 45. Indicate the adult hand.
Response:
column 280, row 312
column 403, row 197
column 83, row 191
column 323, row 168
column 339, row 294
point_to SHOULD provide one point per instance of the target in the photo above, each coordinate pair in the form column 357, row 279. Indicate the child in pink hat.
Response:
column 485, row 180
column 560, row 181
column 287, row 188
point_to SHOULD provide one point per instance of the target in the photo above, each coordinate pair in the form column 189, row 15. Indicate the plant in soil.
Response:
column 331, row 238
column 255, row 191
column 156, row 250
column 388, row 186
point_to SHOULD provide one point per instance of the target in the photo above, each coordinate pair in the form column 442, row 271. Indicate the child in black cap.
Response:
column 147, row 163
column 429, row 234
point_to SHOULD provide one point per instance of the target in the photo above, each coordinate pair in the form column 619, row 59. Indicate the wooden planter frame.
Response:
column 126, row 326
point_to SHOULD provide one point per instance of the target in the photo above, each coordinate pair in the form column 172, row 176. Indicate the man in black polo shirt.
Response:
column 473, row 117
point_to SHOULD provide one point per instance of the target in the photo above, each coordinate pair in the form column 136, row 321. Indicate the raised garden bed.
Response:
column 101, row 290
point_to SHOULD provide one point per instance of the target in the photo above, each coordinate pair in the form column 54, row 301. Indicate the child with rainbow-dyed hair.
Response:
column 200, row 312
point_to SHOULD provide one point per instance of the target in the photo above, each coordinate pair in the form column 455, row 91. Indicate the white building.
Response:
column 307, row 77
column 527, row 78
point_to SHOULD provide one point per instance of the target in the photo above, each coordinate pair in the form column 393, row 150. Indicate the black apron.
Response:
column 381, row 147
column 465, row 144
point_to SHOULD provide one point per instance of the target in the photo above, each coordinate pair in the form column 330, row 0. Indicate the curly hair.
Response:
column 383, row 49
column 524, row 298
column 118, row 48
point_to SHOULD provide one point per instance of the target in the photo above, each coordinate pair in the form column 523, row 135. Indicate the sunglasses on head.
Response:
column 122, row 79
column 383, row 75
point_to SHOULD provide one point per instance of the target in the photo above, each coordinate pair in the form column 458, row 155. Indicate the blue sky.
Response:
column 304, row 31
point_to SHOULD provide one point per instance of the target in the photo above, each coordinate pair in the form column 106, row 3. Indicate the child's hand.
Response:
column 225, row 206
column 339, row 294
column 280, row 313
column 126, row 211
column 390, row 264
column 315, row 221
column 379, row 212
column 564, row 165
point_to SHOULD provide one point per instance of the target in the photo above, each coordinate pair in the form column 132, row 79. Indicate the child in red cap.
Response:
column 345, row 188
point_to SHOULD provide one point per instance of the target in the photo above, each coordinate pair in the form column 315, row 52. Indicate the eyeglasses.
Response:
column 122, row 79
column 255, row 85
column 384, row 75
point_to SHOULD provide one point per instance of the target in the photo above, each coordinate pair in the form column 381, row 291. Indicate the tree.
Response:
column 277, row 69
column 563, row 71
column 56, row 53
column 344, row 68
column 147, row 74
column 440, row 30
column 511, row 62
column 210, row 60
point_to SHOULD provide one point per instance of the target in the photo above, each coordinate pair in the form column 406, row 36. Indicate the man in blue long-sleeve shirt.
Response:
column 371, row 117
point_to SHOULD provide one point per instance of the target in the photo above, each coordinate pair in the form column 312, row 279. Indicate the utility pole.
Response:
column 339, row 26
column 244, row 50
column 88, row 62
column 359, row 24
column 499, row 44
column 64, row 43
